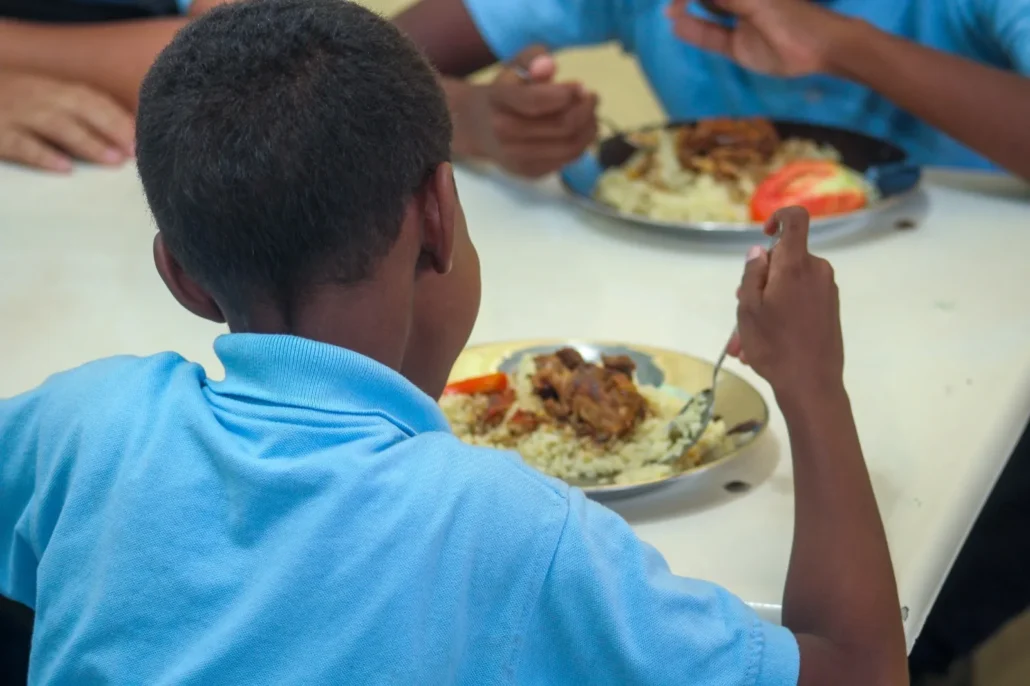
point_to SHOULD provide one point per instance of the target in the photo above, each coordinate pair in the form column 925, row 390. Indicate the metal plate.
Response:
column 885, row 165
column 737, row 402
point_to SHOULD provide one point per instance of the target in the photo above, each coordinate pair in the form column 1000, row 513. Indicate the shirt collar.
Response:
column 287, row 370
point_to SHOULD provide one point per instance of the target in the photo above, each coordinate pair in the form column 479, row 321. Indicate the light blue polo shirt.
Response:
column 691, row 83
column 311, row 520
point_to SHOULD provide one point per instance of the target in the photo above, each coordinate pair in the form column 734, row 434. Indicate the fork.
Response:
column 707, row 396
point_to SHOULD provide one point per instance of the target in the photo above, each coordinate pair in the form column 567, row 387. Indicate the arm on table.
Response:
column 111, row 57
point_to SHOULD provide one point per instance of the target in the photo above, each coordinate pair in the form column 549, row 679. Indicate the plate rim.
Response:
column 821, row 224
column 520, row 345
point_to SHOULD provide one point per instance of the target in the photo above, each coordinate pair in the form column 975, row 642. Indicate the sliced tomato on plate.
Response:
column 491, row 383
column 820, row 186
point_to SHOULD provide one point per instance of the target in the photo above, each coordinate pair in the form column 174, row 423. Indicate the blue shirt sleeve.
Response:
column 18, row 450
column 1008, row 22
column 510, row 26
column 610, row 611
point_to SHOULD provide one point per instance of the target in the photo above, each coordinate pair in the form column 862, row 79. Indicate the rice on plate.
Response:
column 558, row 428
column 709, row 172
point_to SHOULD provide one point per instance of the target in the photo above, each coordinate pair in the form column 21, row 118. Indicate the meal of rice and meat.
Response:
column 581, row 422
column 730, row 170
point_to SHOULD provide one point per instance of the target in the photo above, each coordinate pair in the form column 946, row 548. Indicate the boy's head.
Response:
column 295, row 154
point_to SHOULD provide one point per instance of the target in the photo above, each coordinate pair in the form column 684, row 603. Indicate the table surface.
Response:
column 935, row 322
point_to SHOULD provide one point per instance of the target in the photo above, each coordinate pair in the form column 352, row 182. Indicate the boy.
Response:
column 311, row 519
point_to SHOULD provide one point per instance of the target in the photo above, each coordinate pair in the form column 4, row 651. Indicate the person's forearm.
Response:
column 840, row 584
column 982, row 107
column 111, row 57
column 446, row 34
column 464, row 143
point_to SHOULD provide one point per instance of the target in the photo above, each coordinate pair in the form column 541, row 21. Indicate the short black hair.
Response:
column 278, row 142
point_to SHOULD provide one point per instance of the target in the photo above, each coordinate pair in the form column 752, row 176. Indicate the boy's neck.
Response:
column 371, row 319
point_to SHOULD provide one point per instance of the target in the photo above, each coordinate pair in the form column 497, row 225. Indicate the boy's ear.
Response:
column 439, row 220
column 187, row 291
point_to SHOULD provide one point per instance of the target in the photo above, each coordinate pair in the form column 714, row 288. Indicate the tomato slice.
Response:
column 820, row 186
column 491, row 383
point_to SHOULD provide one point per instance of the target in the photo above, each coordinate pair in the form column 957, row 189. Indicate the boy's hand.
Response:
column 526, row 122
column 789, row 314
column 46, row 123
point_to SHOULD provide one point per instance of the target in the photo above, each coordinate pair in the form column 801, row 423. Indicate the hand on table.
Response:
column 528, row 123
column 46, row 124
column 788, row 312
column 778, row 37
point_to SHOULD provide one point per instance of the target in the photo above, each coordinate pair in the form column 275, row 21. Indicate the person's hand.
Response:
column 46, row 124
column 525, row 121
column 779, row 37
column 788, row 313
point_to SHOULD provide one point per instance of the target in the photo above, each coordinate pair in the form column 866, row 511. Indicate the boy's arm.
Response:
column 112, row 57
column 841, row 600
column 18, row 451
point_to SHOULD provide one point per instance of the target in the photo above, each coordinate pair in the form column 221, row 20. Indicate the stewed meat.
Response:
column 600, row 401
column 619, row 363
column 729, row 149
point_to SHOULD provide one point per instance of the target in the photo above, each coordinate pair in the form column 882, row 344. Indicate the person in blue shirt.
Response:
column 310, row 518
column 70, row 73
column 946, row 79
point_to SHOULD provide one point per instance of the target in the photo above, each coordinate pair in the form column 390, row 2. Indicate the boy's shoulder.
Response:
column 120, row 369
column 99, row 384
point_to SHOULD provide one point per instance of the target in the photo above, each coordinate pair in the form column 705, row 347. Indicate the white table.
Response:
column 937, row 324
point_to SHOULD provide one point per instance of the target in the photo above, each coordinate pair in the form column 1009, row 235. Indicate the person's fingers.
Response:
column 102, row 113
column 792, row 222
column 542, row 68
column 533, row 65
column 78, row 139
column 756, row 273
column 561, row 126
column 22, row 147
column 534, row 99
column 733, row 348
column 111, row 120
column 538, row 159
column 701, row 33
